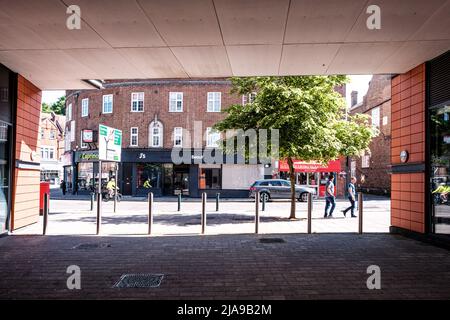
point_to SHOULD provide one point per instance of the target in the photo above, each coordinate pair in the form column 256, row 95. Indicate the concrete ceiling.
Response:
column 216, row 38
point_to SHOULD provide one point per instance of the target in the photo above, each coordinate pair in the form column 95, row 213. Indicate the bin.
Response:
column 44, row 189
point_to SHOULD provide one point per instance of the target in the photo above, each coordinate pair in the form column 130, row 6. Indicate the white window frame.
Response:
column 137, row 97
column 248, row 98
column 84, row 145
column 375, row 113
column 134, row 135
column 177, row 135
column 365, row 161
column 85, row 107
column 212, row 99
column 52, row 134
column 48, row 149
column 69, row 112
column 210, row 134
column 105, row 96
column 158, row 125
column 174, row 98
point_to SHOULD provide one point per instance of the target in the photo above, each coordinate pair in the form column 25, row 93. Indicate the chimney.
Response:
column 354, row 99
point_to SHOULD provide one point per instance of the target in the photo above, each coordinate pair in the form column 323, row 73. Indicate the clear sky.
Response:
column 359, row 83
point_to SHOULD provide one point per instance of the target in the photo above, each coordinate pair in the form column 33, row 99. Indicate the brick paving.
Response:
column 317, row 266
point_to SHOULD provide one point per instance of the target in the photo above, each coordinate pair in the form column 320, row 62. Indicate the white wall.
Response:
column 236, row 176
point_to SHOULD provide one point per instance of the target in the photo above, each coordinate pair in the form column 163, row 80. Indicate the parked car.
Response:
column 279, row 189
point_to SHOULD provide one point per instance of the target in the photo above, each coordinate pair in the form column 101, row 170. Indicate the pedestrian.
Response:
column 329, row 196
column 351, row 197
column 63, row 187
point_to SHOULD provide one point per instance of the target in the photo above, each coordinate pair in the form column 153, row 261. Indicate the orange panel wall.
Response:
column 25, row 197
column 408, row 133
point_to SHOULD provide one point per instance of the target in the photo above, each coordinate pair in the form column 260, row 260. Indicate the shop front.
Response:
column 315, row 175
column 438, row 164
column 143, row 170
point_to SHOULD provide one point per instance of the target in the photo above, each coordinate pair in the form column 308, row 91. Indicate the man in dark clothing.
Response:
column 351, row 197
column 329, row 196
column 63, row 187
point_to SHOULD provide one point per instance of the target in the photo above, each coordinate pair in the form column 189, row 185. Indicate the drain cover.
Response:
column 143, row 280
column 271, row 240
column 86, row 246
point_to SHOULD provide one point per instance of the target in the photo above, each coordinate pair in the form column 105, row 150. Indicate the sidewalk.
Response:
column 320, row 266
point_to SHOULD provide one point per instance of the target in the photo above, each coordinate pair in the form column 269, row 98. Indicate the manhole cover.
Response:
column 271, row 240
column 139, row 281
column 86, row 246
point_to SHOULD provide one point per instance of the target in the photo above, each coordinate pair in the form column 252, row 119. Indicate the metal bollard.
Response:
column 92, row 200
column 217, row 201
column 150, row 212
column 46, row 209
column 309, row 212
column 257, row 197
column 99, row 212
column 203, row 212
column 360, row 212
column 263, row 203
column 179, row 202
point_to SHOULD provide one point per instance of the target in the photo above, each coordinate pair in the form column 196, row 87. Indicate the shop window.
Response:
column 149, row 175
column 176, row 101
column 134, row 137
column 107, row 103
column 212, row 138
column 137, row 102
column 210, row 178
column 156, row 134
column 214, row 101
column 85, row 107
column 178, row 137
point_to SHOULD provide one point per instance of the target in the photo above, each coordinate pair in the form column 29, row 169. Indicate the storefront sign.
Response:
column 87, row 136
column 88, row 157
column 311, row 166
column 109, row 144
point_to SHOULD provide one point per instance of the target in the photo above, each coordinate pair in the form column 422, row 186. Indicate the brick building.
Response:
column 51, row 138
column 155, row 116
column 373, row 169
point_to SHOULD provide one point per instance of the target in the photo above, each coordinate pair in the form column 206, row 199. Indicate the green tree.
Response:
column 58, row 107
column 309, row 114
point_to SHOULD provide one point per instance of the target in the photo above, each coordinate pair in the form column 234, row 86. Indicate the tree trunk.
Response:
column 292, row 178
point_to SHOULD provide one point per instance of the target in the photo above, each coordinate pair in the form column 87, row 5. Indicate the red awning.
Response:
column 311, row 166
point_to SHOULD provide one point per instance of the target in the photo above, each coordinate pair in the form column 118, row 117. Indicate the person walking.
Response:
column 63, row 187
column 351, row 197
column 329, row 196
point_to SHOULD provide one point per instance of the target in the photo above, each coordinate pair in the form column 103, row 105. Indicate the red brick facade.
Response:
column 376, row 177
column 25, row 196
column 408, row 133
column 156, row 103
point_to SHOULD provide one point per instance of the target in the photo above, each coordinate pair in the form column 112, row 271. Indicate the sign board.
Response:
column 109, row 144
column 311, row 166
column 88, row 136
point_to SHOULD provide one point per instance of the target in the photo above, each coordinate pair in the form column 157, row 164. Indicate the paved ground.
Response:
column 318, row 266
column 69, row 217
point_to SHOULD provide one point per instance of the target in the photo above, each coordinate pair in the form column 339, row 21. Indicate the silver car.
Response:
column 279, row 189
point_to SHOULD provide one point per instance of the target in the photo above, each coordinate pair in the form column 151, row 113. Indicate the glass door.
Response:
column 440, row 169
column 4, row 175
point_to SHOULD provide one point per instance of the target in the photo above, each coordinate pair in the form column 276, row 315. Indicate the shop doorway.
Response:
column 127, row 173
column 181, row 180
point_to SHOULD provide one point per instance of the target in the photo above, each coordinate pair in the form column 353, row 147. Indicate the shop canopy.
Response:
column 311, row 166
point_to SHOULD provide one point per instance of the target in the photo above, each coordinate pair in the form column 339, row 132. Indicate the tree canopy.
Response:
column 309, row 114
column 58, row 107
